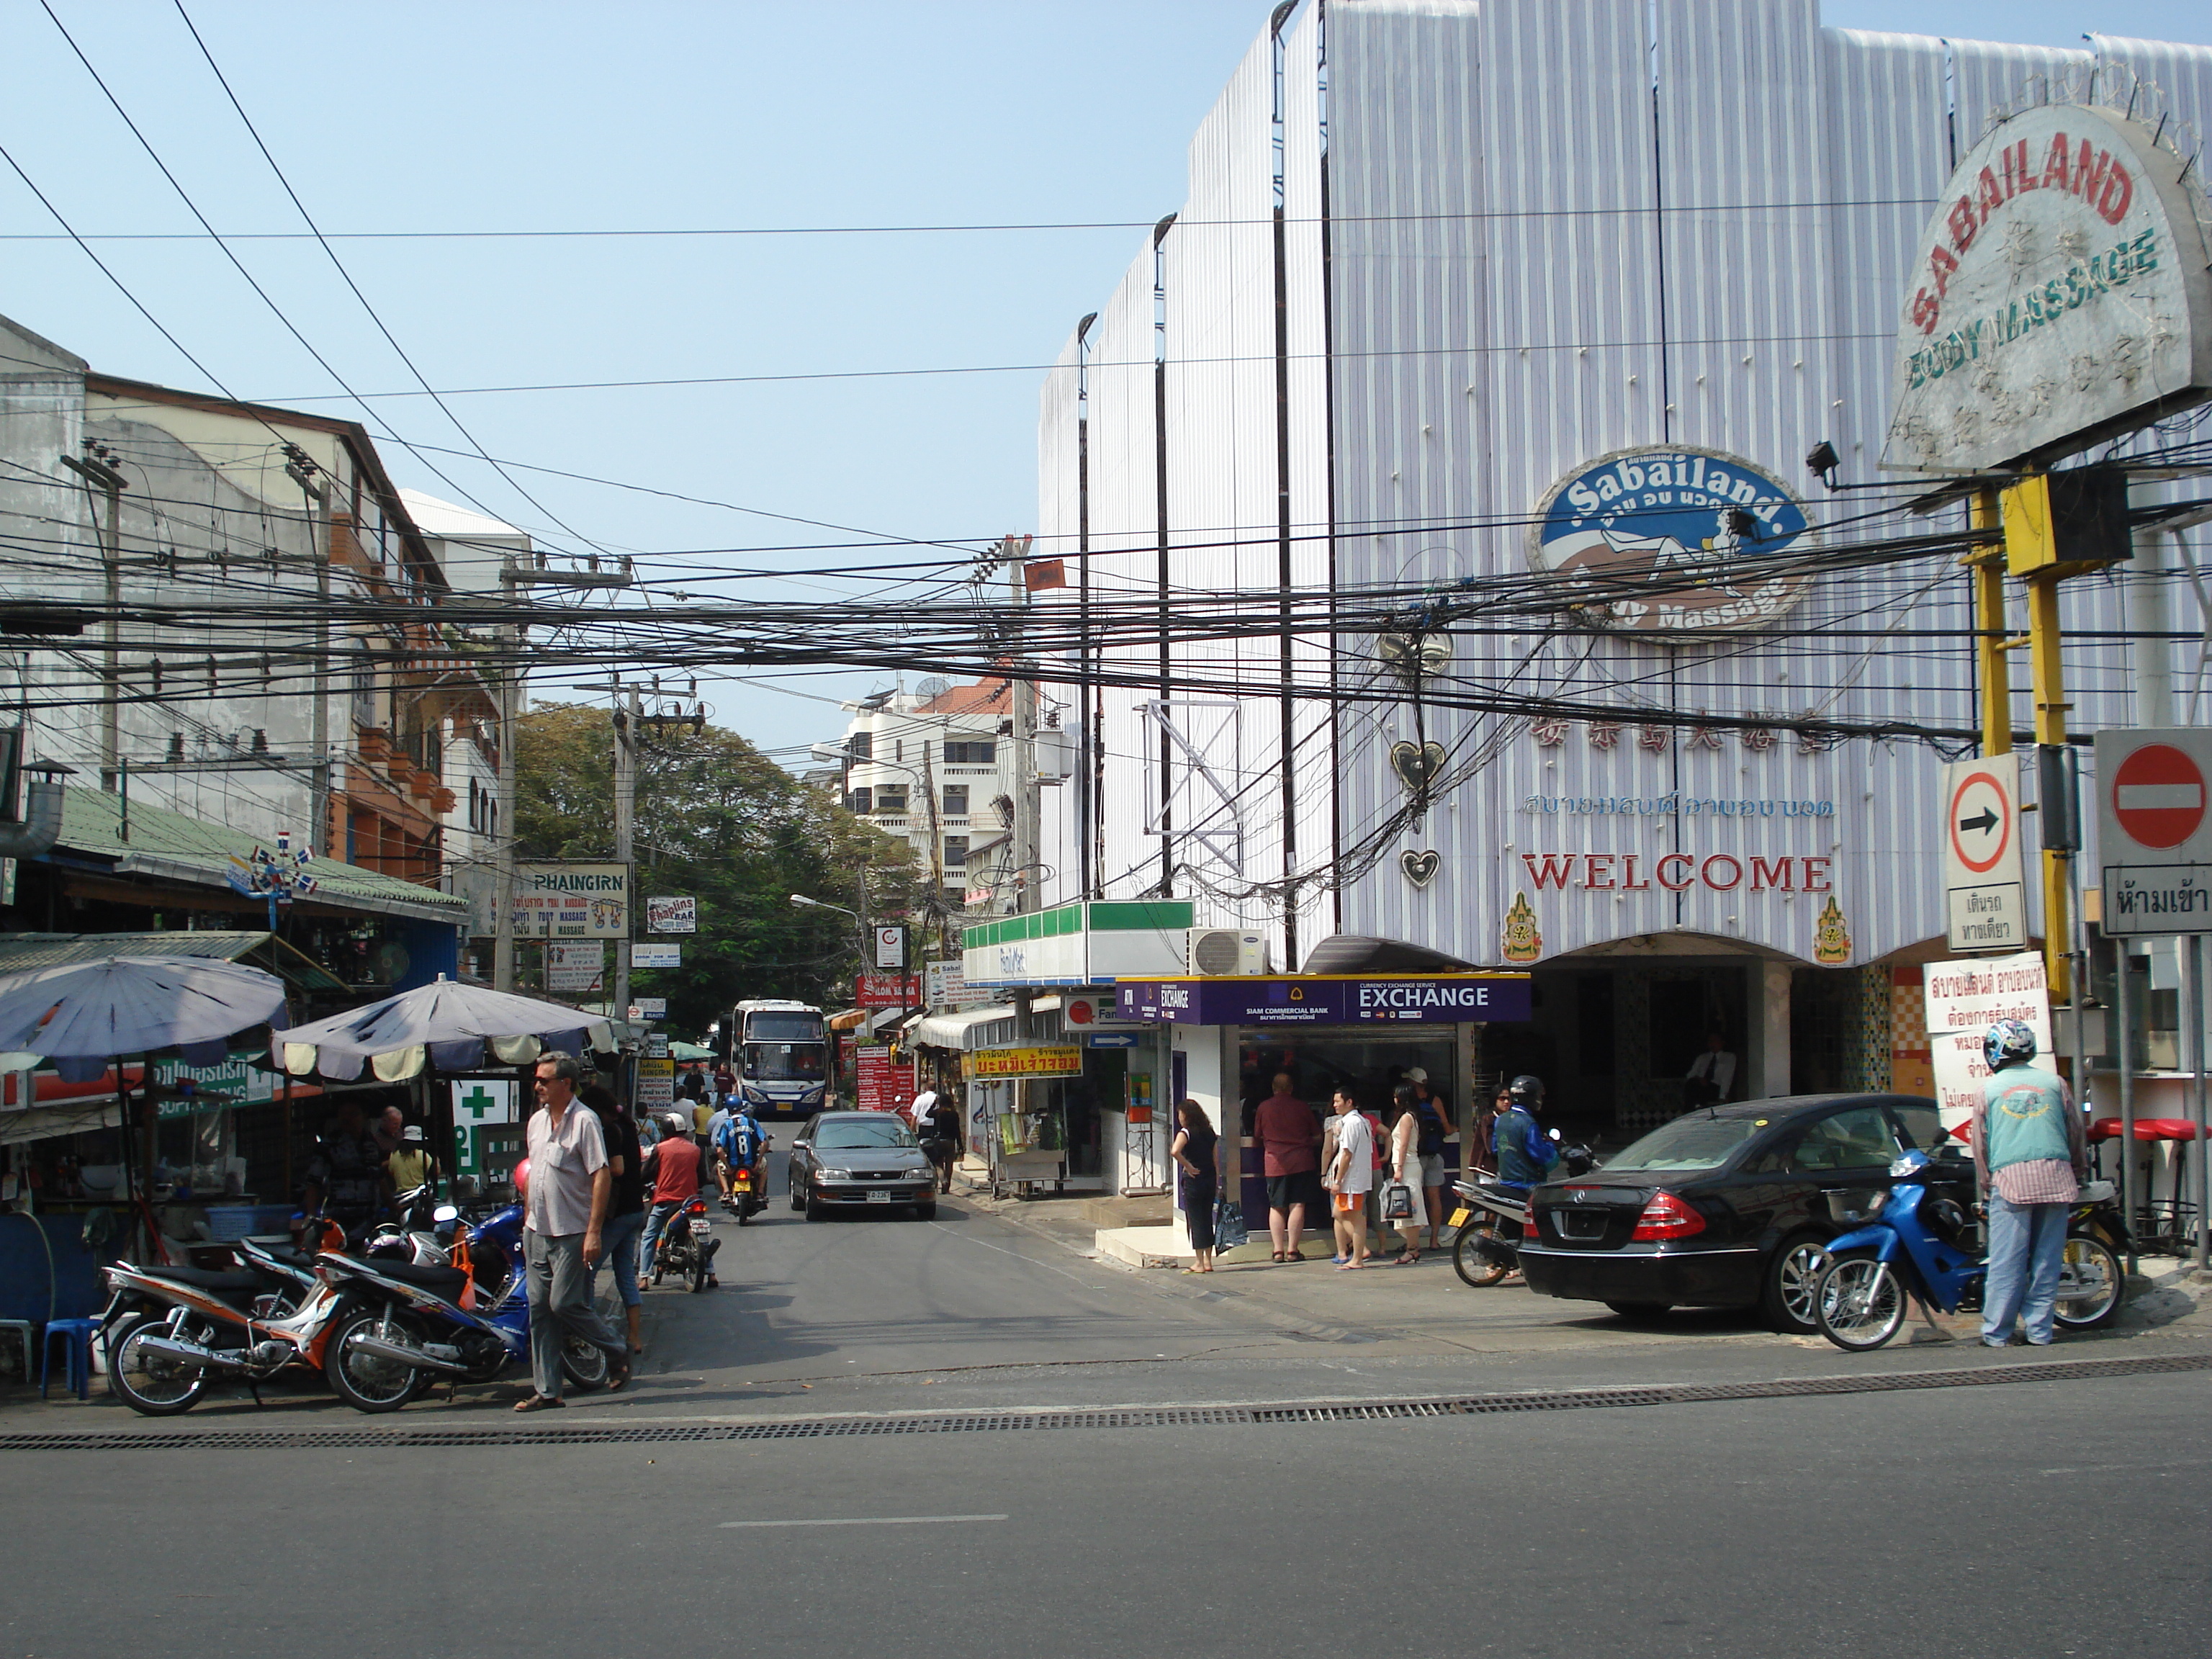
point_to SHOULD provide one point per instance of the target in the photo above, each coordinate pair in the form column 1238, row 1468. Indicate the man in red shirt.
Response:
column 1290, row 1150
column 676, row 1167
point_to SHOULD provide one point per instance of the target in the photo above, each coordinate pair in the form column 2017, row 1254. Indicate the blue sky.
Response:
column 477, row 117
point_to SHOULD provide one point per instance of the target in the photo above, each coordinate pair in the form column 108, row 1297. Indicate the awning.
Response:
column 849, row 1020
column 22, row 952
column 1358, row 953
column 966, row 1031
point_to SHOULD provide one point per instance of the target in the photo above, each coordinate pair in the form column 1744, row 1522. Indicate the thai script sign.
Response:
column 1964, row 999
column 1054, row 1061
column 1647, row 538
column 2059, row 296
column 880, row 1084
column 578, row 965
column 1325, row 999
column 1676, row 805
column 572, row 900
column 888, row 991
column 2155, row 831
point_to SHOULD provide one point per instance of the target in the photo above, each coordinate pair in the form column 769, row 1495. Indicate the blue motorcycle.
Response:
column 1915, row 1240
column 404, row 1326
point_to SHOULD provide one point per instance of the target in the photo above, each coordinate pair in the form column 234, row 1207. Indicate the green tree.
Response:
column 718, row 821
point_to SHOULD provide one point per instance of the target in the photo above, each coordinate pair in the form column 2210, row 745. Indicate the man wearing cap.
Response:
column 411, row 1166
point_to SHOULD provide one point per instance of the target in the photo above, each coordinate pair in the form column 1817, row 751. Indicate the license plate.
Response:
column 879, row 1195
column 1459, row 1216
column 701, row 1228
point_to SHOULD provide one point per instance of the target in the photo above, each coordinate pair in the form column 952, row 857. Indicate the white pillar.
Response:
column 1772, row 1078
column 2152, row 659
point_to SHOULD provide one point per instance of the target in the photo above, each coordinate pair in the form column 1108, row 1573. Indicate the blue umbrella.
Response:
column 131, row 1005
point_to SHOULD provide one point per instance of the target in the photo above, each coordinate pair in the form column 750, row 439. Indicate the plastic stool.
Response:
column 78, row 1356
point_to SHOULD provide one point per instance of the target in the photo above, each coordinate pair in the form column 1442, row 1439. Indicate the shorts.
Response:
column 1284, row 1191
column 1350, row 1203
column 1432, row 1169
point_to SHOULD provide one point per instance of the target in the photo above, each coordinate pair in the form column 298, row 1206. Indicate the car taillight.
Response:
column 1667, row 1217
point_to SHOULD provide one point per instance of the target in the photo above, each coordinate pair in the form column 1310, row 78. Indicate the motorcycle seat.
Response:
column 215, row 1282
column 439, row 1281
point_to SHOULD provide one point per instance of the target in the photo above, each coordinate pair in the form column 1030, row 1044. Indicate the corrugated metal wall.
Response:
column 1552, row 236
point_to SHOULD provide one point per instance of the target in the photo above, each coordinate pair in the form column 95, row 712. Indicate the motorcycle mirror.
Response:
column 1555, row 1134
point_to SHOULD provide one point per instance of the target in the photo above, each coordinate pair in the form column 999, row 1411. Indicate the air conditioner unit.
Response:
column 1226, row 950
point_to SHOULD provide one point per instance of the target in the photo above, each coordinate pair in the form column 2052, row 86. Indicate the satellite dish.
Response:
column 932, row 689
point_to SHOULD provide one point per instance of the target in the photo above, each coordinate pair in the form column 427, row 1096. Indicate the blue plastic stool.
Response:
column 78, row 1356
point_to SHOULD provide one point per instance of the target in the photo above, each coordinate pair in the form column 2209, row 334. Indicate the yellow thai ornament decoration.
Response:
column 1831, row 937
column 1522, row 942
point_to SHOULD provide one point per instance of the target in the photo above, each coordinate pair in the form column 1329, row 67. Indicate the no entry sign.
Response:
column 2154, row 843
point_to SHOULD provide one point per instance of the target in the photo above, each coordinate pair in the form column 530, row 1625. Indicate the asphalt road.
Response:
column 2023, row 1520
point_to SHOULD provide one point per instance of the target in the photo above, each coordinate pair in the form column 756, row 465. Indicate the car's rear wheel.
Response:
column 1642, row 1309
column 1470, row 1263
column 1859, row 1303
column 1793, row 1273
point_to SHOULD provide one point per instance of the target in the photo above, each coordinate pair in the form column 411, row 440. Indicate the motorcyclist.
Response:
column 741, row 1148
column 1525, row 1152
column 677, row 1168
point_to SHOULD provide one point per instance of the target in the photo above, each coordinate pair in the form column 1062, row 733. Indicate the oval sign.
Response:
column 1650, row 535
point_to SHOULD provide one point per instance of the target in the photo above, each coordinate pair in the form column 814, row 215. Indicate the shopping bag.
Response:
column 1229, row 1229
column 1397, row 1202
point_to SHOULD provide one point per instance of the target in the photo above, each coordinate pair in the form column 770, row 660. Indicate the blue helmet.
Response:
column 2009, row 1042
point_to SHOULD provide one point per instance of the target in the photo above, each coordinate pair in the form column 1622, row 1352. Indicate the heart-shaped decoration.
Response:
column 1420, row 868
column 1418, row 765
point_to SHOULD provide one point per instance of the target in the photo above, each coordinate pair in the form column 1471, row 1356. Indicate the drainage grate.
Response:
column 1164, row 1417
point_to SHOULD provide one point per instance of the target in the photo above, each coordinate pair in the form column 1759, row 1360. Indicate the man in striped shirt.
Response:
column 2031, row 1156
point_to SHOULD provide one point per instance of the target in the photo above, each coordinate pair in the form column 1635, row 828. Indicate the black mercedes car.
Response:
column 861, row 1158
column 1725, row 1207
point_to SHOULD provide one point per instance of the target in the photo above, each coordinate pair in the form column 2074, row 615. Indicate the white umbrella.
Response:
column 130, row 1005
column 443, row 1012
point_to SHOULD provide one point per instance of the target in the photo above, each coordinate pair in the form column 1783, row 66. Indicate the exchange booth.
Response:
column 1229, row 1036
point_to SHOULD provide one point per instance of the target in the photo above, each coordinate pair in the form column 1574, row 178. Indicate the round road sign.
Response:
column 1980, row 821
column 2158, row 796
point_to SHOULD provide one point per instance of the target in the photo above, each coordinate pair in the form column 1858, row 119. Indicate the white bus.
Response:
column 781, row 1054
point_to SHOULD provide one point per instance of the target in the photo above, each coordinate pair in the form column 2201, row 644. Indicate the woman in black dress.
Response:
column 1193, row 1152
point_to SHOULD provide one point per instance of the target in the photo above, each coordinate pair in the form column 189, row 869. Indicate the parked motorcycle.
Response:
column 1920, row 1241
column 167, row 1330
column 1491, row 1221
column 403, row 1325
column 687, row 1246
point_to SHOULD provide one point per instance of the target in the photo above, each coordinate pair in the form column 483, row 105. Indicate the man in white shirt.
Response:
column 1351, row 1173
column 1711, row 1073
column 569, row 1186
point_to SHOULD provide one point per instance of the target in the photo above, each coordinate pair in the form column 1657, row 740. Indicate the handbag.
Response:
column 1397, row 1202
column 1229, row 1229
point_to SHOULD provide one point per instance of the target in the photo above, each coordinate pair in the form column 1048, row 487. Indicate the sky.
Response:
column 809, row 127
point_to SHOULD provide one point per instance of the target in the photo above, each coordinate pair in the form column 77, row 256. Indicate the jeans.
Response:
column 2027, row 1248
column 655, row 1222
column 619, row 1234
column 561, row 1306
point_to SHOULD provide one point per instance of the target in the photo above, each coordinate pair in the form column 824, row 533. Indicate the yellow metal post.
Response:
column 2031, row 553
column 1988, row 568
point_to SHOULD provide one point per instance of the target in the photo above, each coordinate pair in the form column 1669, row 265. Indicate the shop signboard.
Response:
column 236, row 1081
column 671, row 914
column 2153, row 833
column 576, row 966
column 995, row 1065
column 651, row 1007
column 572, row 900
column 1964, row 999
column 945, row 985
column 1648, row 535
column 1089, row 941
column 656, row 1073
column 656, row 956
column 1329, row 1000
column 882, row 1085
column 2059, row 296
column 483, row 1120
column 1984, row 894
column 891, row 948
column 888, row 991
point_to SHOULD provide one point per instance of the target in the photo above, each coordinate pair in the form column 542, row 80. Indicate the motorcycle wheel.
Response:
column 698, row 1275
column 365, row 1382
column 584, row 1363
column 1859, row 1303
column 2091, row 1269
column 149, row 1385
column 1468, row 1262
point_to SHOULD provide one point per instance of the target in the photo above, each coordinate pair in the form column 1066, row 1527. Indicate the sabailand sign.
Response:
column 2059, row 295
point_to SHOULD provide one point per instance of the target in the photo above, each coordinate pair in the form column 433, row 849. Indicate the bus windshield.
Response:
column 783, row 1062
column 794, row 1027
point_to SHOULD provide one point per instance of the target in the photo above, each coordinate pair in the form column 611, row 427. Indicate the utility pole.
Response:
column 98, row 473
column 1028, row 827
column 303, row 471
column 514, row 575
column 627, row 714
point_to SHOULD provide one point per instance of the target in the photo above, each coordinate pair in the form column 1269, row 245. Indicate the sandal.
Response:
column 1407, row 1259
column 1279, row 1257
column 540, row 1402
column 617, row 1376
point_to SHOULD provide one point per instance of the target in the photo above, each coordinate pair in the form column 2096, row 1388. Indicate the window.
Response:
column 955, row 852
column 890, row 798
column 1688, row 1143
column 1860, row 1138
column 860, row 801
column 981, row 753
column 955, row 800
column 862, row 1134
column 861, row 746
column 1923, row 1124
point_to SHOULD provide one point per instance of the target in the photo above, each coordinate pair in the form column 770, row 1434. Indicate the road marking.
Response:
column 873, row 1521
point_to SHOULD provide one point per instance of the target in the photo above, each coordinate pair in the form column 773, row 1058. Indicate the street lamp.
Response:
column 800, row 901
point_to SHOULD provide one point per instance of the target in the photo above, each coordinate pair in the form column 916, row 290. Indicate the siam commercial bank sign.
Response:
column 1325, row 999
